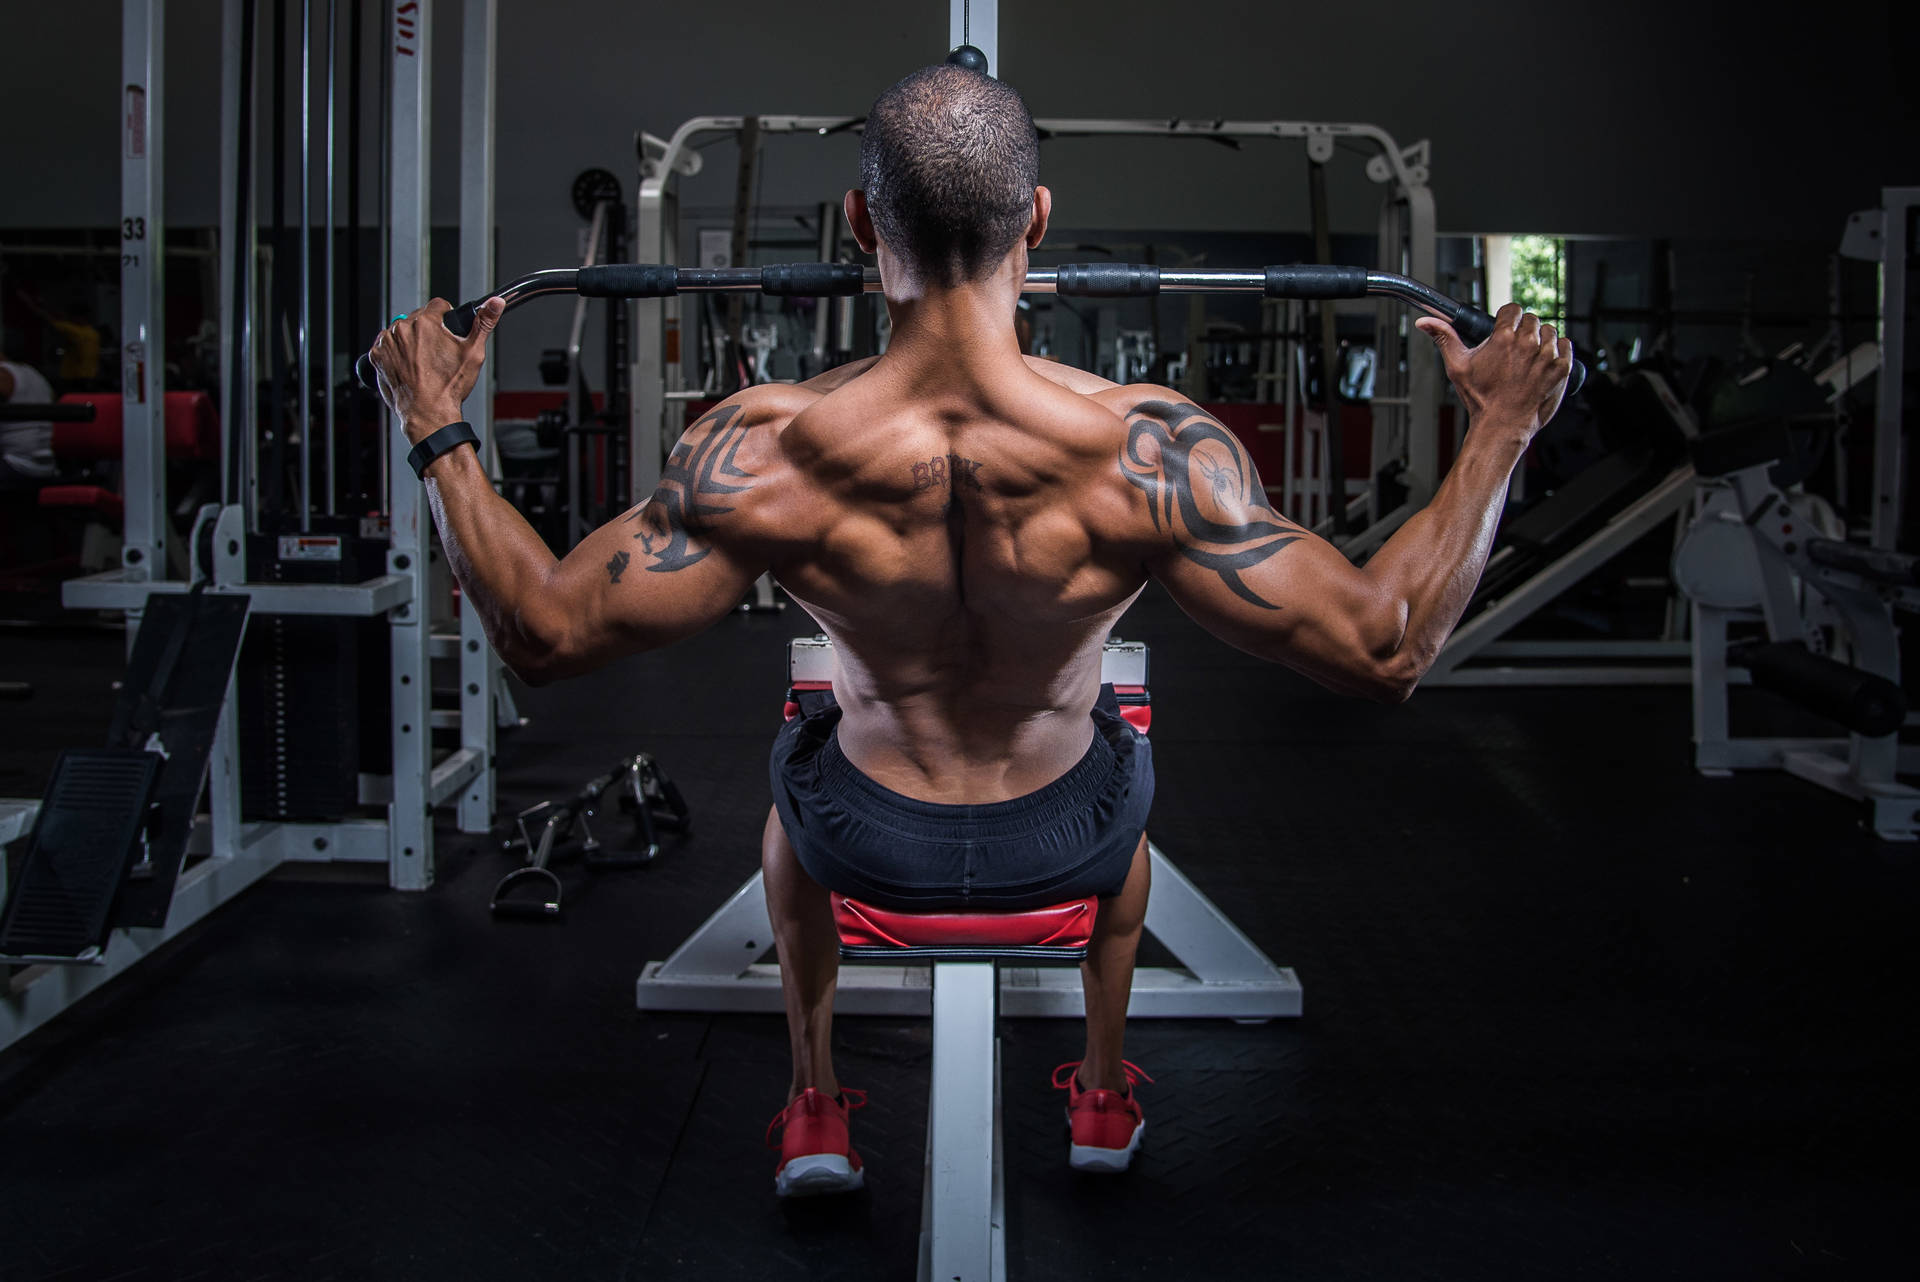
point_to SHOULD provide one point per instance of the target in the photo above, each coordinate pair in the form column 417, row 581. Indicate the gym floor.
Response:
column 1572, row 1011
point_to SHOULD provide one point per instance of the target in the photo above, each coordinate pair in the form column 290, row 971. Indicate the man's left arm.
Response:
column 667, row 569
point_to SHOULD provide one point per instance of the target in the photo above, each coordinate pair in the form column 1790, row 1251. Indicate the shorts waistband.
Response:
column 1017, row 816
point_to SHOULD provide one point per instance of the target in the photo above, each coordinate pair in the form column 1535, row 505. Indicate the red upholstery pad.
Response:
column 104, row 503
column 792, row 708
column 1136, row 706
column 1064, row 926
column 193, row 428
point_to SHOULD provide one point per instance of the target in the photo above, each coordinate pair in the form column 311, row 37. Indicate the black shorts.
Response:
column 1071, row 839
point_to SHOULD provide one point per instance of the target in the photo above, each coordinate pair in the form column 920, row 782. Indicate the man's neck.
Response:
column 958, row 326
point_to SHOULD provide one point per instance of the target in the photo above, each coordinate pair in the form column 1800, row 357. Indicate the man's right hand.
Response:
column 1518, row 376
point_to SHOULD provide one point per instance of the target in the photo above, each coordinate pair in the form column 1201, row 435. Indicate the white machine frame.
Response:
column 1747, row 562
column 1407, row 413
column 1221, row 972
column 233, row 854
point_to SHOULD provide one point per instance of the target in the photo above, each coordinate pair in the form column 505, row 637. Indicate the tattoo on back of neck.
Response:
column 700, row 473
column 1202, row 488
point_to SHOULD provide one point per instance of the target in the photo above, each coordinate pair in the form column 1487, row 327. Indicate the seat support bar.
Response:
column 962, row 1222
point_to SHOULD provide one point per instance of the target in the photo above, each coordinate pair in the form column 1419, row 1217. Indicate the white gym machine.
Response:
column 227, row 854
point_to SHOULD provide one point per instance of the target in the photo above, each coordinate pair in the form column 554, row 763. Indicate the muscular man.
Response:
column 967, row 526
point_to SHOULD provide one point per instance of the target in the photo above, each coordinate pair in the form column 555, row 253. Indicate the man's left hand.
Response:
column 425, row 372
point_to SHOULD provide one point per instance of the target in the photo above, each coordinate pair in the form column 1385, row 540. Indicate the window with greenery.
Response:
column 1540, row 277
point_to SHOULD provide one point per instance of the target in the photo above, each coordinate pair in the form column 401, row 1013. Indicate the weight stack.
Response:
column 304, row 733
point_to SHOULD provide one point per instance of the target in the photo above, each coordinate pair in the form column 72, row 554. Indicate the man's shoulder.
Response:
column 1074, row 380
column 838, row 377
column 774, row 405
column 763, row 405
column 1129, row 400
column 1121, row 400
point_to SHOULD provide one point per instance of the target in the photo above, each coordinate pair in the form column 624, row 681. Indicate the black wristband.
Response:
column 445, row 441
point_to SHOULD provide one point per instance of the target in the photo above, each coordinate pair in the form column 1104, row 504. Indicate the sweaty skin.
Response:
column 967, row 524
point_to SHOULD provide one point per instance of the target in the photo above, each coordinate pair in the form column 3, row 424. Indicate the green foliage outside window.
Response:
column 1540, row 277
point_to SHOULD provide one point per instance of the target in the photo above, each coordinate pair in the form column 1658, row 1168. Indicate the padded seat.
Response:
column 1059, row 932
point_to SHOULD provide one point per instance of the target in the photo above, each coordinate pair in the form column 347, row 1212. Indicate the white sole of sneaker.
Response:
column 1105, row 1161
column 818, row 1174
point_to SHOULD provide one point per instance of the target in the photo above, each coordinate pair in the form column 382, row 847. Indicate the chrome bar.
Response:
column 326, row 330
column 306, row 266
column 1209, row 280
column 554, row 280
column 1409, row 291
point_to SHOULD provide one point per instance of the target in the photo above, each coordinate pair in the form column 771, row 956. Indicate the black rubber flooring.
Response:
column 1573, row 1012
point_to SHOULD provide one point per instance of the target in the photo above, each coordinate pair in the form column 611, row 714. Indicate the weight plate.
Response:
column 592, row 187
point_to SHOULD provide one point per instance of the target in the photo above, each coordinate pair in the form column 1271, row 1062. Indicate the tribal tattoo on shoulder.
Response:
column 1201, row 488
column 700, row 473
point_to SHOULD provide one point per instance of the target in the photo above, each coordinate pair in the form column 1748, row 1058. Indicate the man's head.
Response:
column 950, row 162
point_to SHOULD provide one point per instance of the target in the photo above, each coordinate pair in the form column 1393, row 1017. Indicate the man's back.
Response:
column 968, row 541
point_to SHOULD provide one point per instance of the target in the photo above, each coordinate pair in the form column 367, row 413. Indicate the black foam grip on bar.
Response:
column 1861, row 701
column 629, row 280
column 1876, row 564
column 1107, row 280
column 1476, row 327
column 813, row 280
column 1316, row 280
column 1473, row 325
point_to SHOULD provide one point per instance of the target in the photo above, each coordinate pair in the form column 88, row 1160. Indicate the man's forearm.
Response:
column 498, row 559
column 1434, row 561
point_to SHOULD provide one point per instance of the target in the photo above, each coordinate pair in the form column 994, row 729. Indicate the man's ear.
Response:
column 860, row 221
column 1042, row 211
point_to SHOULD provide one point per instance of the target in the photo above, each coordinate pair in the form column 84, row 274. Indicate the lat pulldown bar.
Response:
column 1075, row 280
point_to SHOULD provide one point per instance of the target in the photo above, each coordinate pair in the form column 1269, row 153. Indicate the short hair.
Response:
column 949, row 159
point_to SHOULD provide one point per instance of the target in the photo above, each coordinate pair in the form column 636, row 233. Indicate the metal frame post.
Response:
column 303, row 323
column 237, row 407
column 976, row 23
column 479, row 665
column 648, row 324
column 1889, row 438
column 1423, row 367
column 143, row 291
column 409, row 814
column 959, row 1223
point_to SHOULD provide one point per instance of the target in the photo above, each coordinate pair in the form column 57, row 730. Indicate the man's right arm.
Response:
column 1274, row 589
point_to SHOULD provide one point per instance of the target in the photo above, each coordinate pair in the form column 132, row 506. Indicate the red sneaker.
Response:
column 1106, row 1125
column 816, row 1155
